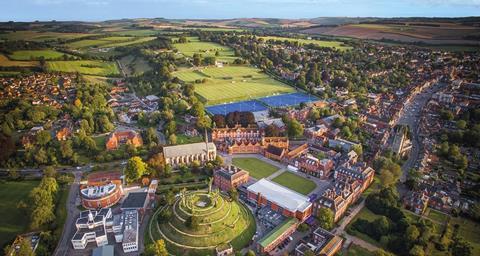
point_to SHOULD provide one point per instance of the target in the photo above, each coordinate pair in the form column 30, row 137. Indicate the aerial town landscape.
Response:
column 239, row 136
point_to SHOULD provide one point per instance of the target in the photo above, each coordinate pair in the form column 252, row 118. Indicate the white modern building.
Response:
column 93, row 226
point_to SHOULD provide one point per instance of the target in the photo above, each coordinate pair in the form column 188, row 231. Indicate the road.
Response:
column 410, row 116
column 72, row 212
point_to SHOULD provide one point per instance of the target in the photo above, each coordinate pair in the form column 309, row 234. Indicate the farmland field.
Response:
column 295, row 182
column 233, row 83
column 322, row 43
column 14, row 221
column 30, row 35
column 5, row 62
column 194, row 45
column 257, row 168
column 89, row 67
column 107, row 42
column 35, row 54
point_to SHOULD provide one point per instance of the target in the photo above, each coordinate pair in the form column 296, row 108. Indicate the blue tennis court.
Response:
column 249, row 105
column 289, row 99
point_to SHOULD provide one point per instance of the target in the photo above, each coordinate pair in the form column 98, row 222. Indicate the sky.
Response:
column 98, row 10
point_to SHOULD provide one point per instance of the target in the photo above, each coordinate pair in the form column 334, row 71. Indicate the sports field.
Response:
column 295, row 182
column 88, row 67
column 257, row 168
column 107, row 42
column 331, row 44
column 226, row 54
column 13, row 221
column 291, row 99
column 232, row 83
column 247, row 105
column 35, row 54
column 5, row 62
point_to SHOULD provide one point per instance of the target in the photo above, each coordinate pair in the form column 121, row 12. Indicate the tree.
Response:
column 43, row 137
column 295, row 129
column 325, row 218
column 233, row 193
column 172, row 139
column 66, row 149
column 160, row 248
column 49, row 171
column 250, row 253
column 134, row 169
column 417, row 250
column 461, row 248
column 25, row 248
column 412, row 233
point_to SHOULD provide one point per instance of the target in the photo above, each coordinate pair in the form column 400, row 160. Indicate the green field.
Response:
column 331, row 44
column 35, row 54
column 108, row 42
column 183, row 139
column 226, row 54
column 13, row 221
column 257, row 168
column 88, row 67
column 30, row 35
column 295, row 182
column 232, row 83
column 355, row 250
column 220, row 220
column 6, row 62
column 470, row 231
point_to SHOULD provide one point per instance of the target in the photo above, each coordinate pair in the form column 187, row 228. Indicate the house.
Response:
column 315, row 131
column 229, row 177
column 275, row 153
column 64, row 133
column 322, row 243
column 313, row 166
column 117, row 138
column 416, row 202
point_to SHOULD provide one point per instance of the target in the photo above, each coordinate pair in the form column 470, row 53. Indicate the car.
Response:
column 78, row 167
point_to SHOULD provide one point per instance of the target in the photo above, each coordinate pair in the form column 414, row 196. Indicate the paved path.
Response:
column 64, row 244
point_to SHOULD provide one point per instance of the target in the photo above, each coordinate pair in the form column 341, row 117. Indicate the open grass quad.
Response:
column 14, row 221
column 6, row 62
column 257, row 168
column 221, row 221
column 331, row 44
column 232, row 83
column 295, row 182
column 194, row 45
column 36, row 54
column 88, row 67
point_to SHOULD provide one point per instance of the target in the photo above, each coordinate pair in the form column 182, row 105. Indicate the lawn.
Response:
column 194, row 45
column 470, row 231
column 322, row 43
column 183, row 139
column 257, row 168
column 295, row 182
column 356, row 250
column 89, row 67
column 13, row 221
column 437, row 216
column 5, row 62
column 232, row 83
column 36, row 54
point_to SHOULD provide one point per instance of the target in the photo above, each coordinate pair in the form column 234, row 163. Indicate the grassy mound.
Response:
column 200, row 221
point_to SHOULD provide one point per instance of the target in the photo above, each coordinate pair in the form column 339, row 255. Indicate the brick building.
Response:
column 230, row 177
column 123, row 137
